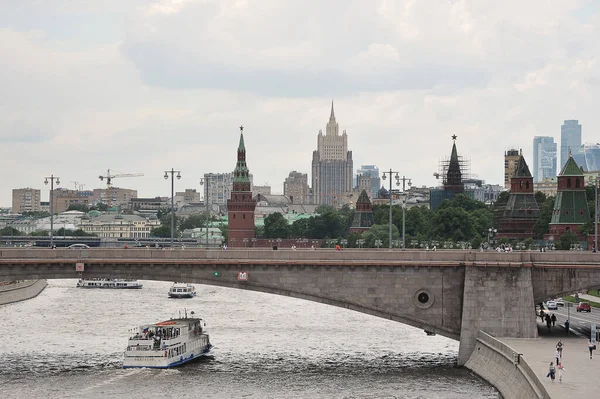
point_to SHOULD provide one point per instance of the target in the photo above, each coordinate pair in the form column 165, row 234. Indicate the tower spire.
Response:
column 332, row 116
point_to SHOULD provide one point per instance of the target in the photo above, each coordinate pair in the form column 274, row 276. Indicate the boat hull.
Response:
column 163, row 362
column 184, row 295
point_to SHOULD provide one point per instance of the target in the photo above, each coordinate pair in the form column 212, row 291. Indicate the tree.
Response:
column 566, row 240
column 380, row 232
column 299, row 228
column 453, row 223
column 540, row 197
column 276, row 226
column 161, row 231
column 192, row 221
column 10, row 231
column 542, row 226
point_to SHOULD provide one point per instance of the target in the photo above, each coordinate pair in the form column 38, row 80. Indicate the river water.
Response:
column 68, row 343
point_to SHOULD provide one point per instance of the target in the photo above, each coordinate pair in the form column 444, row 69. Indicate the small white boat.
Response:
column 182, row 290
column 114, row 283
column 167, row 344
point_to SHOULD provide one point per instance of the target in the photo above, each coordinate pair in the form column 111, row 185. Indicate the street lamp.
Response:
column 360, row 242
column 390, row 193
column 378, row 243
column 202, row 181
column 172, row 173
column 596, row 214
column 343, row 242
column 52, row 178
column 491, row 234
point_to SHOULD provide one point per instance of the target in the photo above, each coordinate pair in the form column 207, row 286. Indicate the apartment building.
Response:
column 26, row 200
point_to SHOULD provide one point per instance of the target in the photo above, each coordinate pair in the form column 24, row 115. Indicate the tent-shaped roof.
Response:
column 571, row 168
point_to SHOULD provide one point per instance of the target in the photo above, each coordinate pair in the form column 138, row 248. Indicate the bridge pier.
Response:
column 499, row 301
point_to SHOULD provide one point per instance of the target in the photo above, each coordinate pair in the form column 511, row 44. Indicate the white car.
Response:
column 560, row 302
column 78, row 246
column 552, row 305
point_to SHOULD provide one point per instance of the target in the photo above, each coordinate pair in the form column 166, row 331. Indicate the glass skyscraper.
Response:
column 544, row 158
column 373, row 172
column 570, row 141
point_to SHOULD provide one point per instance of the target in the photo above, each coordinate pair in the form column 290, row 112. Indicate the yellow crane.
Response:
column 109, row 176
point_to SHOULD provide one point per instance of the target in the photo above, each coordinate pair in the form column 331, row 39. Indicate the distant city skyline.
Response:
column 144, row 86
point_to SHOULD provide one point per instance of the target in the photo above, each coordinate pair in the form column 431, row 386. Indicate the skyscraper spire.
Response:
column 332, row 116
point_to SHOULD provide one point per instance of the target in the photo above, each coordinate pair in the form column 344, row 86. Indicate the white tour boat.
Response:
column 115, row 283
column 182, row 290
column 167, row 344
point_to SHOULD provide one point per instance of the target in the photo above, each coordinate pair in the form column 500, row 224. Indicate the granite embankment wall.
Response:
column 21, row 291
column 505, row 369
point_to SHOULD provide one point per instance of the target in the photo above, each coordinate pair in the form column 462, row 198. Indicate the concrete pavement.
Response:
column 586, row 297
column 581, row 373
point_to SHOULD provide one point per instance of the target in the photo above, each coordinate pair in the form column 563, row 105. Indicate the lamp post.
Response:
column 378, row 243
column 596, row 215
column 172, row 173
column 491, row 234
column 391, row 172
column 202, row 181
column 52, row 178
column 360, row 242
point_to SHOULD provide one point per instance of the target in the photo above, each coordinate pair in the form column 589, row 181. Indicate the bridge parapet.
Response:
column 361, row 256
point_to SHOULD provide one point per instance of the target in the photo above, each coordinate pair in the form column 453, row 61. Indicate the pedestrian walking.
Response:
column 561, row 370
column 542, row 314
column 591, row 347
column 553, row 318
column 559, row 348
column 567, row 326
column 548, row 321
column 557, row 356
column 551, row 372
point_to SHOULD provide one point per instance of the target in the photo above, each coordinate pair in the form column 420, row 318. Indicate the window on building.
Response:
column 569, row 182
column 577, row 183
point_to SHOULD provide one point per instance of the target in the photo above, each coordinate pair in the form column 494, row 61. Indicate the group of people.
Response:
column 550, row 320
column 557, row 368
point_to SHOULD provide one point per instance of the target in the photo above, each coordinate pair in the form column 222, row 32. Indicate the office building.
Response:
column 544, row 158
column 570, row 141
column 511, row 161
column 332, row 164
column 26, row 200
column 295, row 187
column 371, row 171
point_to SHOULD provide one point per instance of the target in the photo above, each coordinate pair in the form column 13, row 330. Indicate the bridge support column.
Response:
column 499, row 301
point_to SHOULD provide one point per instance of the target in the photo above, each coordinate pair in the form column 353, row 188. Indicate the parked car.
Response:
column 552, row 305
column 584, row 307
column 560, row 302
column 78, row 246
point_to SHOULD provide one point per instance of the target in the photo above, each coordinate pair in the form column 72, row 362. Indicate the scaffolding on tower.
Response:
column 108, row 177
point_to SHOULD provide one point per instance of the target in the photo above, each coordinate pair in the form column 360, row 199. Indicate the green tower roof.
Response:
column 241, row 173
column 363, row 198
column 571, row 168
column 522, row 168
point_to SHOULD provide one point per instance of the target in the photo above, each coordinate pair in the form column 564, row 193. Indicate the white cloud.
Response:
column 152, row 85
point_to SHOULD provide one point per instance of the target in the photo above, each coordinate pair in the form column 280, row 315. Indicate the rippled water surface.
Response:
column 68, row 343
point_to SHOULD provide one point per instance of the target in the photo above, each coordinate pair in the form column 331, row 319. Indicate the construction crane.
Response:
column 109, row 176
column 78, row 187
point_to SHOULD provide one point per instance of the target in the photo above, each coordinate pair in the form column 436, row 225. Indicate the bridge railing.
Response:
column 431, row 258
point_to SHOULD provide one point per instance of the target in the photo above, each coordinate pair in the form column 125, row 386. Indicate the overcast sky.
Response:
column 143, row 86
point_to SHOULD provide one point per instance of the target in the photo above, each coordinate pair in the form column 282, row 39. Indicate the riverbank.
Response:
column 21, row 291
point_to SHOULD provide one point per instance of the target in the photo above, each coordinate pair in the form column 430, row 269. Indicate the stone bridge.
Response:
column 451, row 293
